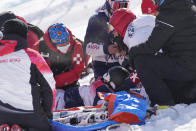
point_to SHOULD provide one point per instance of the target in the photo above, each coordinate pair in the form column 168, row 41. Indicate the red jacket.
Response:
column 68, row 67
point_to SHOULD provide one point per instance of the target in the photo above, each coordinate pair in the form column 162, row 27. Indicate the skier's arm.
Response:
column 96, row 39
column 94, row 49
column 44, row 78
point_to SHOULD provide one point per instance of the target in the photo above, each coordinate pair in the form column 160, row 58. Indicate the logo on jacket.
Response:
column 134, row 78
column 77, row 59
column 131, row 30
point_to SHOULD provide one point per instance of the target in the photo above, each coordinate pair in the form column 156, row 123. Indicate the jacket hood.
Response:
column 11, row 43
column 52, row 46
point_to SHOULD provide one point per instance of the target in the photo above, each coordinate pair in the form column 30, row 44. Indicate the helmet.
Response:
column 115, row 78
column 148, row 7
column 158, row 2
column 58, row 33
column 117, row 4
column 120, row 20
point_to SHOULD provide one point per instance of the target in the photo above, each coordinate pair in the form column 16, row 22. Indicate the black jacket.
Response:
column 174, row 33
column 97, row 30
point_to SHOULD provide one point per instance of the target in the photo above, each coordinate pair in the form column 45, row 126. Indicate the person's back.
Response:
column 97, row 41
column 26, row 80
column 181, row 35
column 174, row 33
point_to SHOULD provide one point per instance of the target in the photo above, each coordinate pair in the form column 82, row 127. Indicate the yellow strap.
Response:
column 162, row 107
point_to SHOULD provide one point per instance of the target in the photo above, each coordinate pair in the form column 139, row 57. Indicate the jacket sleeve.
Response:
column 44, row 78
column 97, row 35
column 160, row 35
column 74, row 73
column 94, row 49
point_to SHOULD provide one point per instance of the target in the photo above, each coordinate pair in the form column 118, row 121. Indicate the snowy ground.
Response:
column 75, row 14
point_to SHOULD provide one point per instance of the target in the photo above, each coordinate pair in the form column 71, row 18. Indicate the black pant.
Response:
column 155, row 72
column 33, row 121
column 72, row 98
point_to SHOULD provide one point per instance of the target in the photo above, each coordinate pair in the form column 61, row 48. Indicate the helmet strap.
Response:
column 112, row 85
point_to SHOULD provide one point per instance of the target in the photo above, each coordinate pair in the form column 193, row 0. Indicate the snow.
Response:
column 75, row 14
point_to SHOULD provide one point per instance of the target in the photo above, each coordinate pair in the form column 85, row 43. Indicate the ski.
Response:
column 84, row 118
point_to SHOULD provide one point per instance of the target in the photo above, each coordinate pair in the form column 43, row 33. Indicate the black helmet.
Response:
column 115, row 78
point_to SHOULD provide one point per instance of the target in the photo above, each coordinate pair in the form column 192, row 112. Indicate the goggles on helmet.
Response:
column 117, row 4
column 158, row 2
column 58, row 34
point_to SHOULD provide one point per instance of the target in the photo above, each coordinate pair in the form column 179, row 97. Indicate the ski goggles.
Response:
column 119, row 4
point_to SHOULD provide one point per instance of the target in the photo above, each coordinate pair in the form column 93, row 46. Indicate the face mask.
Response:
column 63, row 49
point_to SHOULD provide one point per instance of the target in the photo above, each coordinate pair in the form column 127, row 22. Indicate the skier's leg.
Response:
column 154, row 70
column 72, row 98
column 26, row 119
column 59, row 100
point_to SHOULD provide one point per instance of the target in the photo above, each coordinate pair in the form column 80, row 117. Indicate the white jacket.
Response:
column 139, row 30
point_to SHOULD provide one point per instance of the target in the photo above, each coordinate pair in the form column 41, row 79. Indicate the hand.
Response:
column 113, row 49
column 123, row 53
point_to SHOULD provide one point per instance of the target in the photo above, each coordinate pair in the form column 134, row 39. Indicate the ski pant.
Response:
column 157, row 72
column 72, row 98
column 32, row 120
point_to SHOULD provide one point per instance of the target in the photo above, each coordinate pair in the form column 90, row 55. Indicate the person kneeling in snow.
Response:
column 27, row 86
column 63, row 54
column 169, row 32
column 116, row 79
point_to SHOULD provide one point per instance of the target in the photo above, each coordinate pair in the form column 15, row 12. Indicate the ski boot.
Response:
column 4, row 127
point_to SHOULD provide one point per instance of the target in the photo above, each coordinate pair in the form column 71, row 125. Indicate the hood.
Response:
column 52, row 46
column 7, row 46
column 21, row 42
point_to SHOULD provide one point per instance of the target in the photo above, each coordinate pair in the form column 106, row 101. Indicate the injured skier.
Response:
column 116, row 79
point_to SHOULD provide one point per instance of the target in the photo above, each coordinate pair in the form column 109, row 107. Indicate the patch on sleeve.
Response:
column 131, row 30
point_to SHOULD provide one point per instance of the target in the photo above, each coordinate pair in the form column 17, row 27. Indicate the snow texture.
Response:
column 75, row 14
